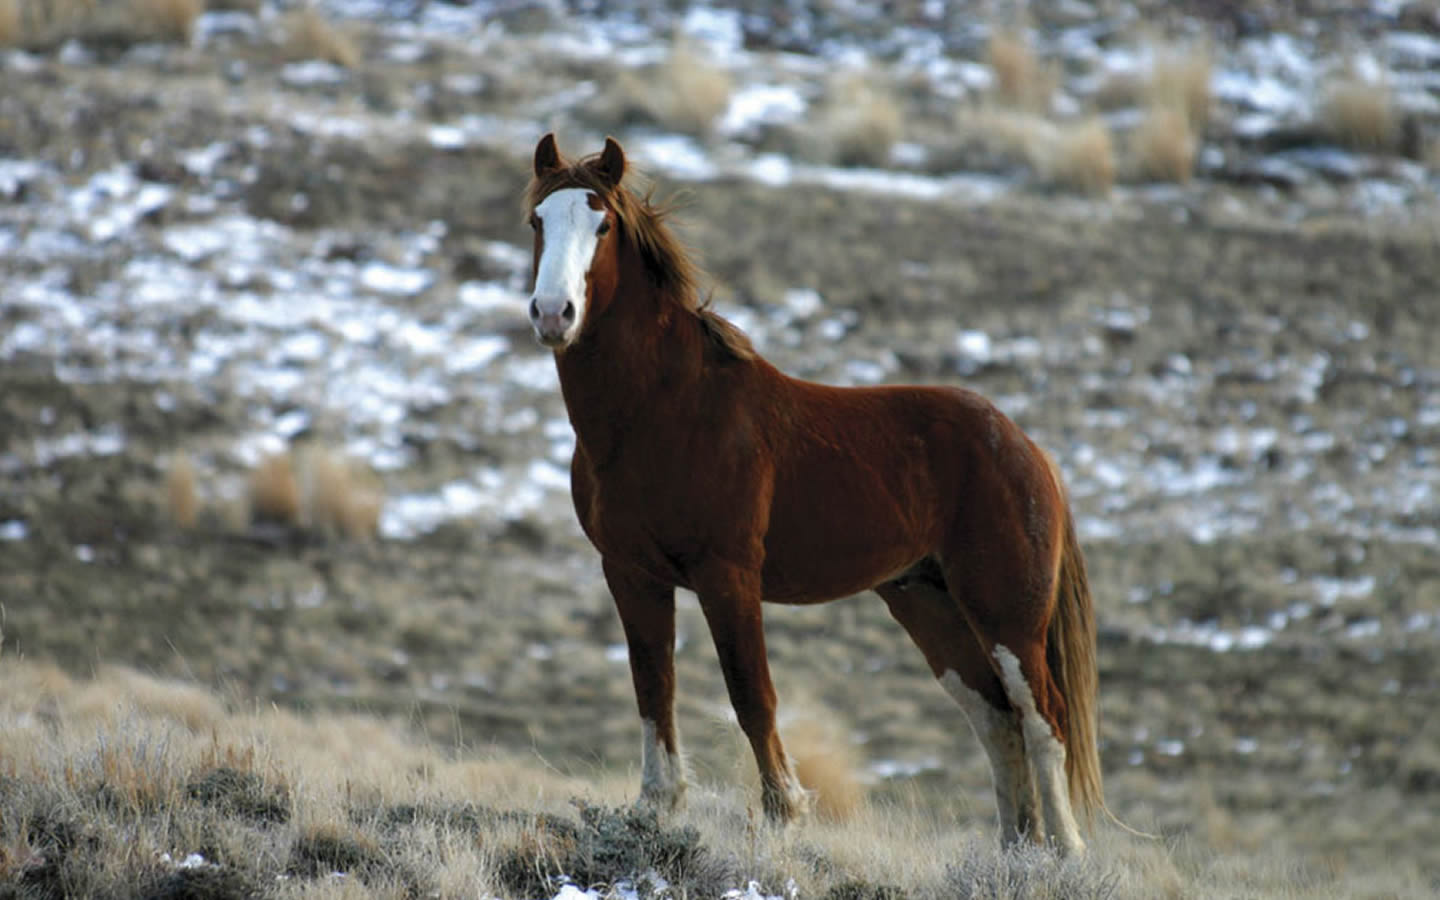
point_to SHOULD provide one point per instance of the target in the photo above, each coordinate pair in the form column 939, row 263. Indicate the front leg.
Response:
column 730, row 598
column 647, row 612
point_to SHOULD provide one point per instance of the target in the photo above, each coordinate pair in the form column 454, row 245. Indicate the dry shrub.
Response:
column 274, row 491
column 171, row 20
column 340, row 496
column 182, row 499
column 1020, row 79
column 10, row 23
column 1008, row 133
column 1163, row 146
column 309, row 36
column 825, row 763
column 1079, row 156
column 318, row 489
column 692, row 92
column 1361, row 113
column 861, row 121
column 1180, row 82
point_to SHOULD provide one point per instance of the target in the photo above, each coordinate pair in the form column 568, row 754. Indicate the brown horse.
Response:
column 699, row 465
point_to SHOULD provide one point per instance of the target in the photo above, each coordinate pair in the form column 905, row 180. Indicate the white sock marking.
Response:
column 1046, row 755
column 999, row 734
column 662, row 774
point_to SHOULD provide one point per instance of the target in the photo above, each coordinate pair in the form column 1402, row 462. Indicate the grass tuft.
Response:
column 686, row 93
column 825, row 763
column 860, row 121
column 242, row 794
column 11, row 23
column 1361, row 113
column 1079, row 156
column 322, row 849
column 1180, row 82
column 274, row 491
column 309, row 36
column 182, row 499
column 1020, row 79
column 339, row 496
column 1163, row 146
column 169, row 20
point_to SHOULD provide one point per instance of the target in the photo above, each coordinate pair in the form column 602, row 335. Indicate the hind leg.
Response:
column 934, row 622
column 1025, row 678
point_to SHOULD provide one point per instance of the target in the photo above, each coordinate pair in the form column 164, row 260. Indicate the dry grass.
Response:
column 274, row 492
column 1020, row 78
column 860, row 121
column 693, row 92
column 339, row 495
column 182, row 499
column 170, row 20
column 11, row 26
column 1361, row 113
column 1163, row 146
column 42, row 26
column 309, row 36
column 1079, row 156
column 686, row 93
column 318, row 489
column 1179, row 81
column 106, row 783
column 826, row 764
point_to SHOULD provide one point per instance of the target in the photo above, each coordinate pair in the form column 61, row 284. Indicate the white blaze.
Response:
column 568, row 228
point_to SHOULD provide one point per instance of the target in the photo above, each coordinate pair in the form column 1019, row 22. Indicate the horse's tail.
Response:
column 1071, row 656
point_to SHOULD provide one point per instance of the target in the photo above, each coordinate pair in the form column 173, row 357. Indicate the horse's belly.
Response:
column 815, row 576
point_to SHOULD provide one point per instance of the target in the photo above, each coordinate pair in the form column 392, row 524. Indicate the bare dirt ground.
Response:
column 1247, row 407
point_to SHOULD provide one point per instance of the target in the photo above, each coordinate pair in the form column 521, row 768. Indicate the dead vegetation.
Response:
column 126, row 785
column 1360, row 113
column 685, row 93
column 181, row 494
column 41, row 26
column 10, row 23
column 317, row 489
column 1163, row 146
column 311, row 488
column 1021, row 80
column 1078, row 156
column 308, row 35
column 860, row 121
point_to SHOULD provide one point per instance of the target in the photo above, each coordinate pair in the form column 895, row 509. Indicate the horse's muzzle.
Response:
column 552, row 320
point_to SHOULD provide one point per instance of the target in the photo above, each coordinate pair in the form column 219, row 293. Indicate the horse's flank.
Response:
column 667, row 260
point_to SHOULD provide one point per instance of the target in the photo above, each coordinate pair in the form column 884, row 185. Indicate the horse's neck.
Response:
column 645, row 346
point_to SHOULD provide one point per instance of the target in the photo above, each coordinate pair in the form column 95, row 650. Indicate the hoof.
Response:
column 662, row 802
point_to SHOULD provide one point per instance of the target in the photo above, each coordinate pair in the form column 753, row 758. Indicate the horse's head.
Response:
column 577, row 231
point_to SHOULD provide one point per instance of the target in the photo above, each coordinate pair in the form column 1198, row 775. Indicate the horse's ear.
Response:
column 611, row 165
column 547, row 155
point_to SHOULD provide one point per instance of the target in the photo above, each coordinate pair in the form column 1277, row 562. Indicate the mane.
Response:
column 666, row 258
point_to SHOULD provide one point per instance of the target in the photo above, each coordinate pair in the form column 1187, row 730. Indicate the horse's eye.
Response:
column 604, row 229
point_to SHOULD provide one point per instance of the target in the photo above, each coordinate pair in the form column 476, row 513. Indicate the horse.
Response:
column 699, row 465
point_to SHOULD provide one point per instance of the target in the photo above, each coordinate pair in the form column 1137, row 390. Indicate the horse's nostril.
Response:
column 568, row 313
column 534, row 311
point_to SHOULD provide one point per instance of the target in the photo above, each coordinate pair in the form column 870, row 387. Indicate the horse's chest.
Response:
column 643, row 527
